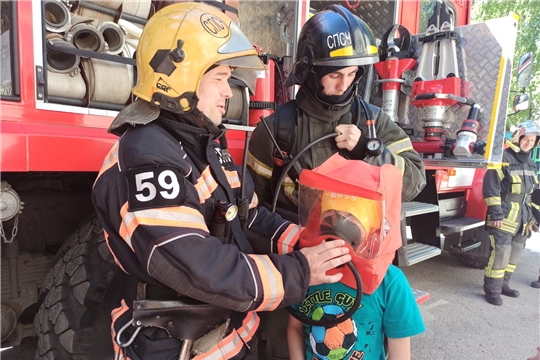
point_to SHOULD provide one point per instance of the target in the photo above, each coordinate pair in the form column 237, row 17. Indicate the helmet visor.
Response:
column 238, row 51
column 351, row 61
column 251, row 62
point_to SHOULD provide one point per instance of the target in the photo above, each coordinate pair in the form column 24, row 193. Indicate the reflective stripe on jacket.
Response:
column 507, row 192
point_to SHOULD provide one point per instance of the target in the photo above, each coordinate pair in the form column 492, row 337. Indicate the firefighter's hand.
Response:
column 496, row 223
column 348, row 136
column 323, row 257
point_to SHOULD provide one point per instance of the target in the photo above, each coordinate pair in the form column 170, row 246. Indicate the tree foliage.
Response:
column 528, row 40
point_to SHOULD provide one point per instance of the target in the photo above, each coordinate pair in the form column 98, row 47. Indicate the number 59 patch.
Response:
column 155, row 187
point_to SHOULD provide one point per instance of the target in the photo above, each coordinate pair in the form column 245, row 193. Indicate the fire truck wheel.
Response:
column 72, row 293
column 476, row 258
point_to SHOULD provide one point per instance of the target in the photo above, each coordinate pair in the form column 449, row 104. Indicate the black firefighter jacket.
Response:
column 155, row 197
column 507, row 192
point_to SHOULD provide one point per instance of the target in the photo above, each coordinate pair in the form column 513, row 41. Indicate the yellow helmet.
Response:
column 178, row 45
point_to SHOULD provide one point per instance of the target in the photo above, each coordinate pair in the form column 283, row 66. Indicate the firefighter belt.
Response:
column 183, row 318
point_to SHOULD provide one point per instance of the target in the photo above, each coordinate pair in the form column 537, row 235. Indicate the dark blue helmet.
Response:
column 333, row 37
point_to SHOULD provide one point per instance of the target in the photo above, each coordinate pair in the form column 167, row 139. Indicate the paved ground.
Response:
column 461, row 325
column 25, row 351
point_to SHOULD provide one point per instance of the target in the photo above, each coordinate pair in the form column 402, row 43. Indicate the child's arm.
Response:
column 399, row 348
column 295, row 338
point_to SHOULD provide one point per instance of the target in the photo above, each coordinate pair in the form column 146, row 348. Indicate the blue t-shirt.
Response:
column 391, row 310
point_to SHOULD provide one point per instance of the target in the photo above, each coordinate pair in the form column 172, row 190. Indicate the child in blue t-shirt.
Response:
column 390, row 311
column 388, row 307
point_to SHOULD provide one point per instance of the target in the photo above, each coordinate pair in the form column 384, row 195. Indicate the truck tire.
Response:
column 476, row 258
column 72, row 293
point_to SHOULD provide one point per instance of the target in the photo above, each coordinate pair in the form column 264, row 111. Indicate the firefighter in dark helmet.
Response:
column 511, row 210
column 334, row 46
column 167, row 198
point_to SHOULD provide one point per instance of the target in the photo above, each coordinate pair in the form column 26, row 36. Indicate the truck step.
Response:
column 420, row 296
column 417, row 252
column 466, row 245
column 413, row 208
column 458, row 225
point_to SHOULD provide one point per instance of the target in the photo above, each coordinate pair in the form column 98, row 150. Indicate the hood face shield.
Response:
column 359, row 203
column 251, row 62
column 328, row 215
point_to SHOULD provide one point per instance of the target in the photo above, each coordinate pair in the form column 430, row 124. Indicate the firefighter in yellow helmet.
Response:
column 507, row 193
column 168, row 196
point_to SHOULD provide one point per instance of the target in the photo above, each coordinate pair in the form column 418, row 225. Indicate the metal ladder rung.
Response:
column 417, row 252
column 466, row 245
column 414, row 208
column 453, row 226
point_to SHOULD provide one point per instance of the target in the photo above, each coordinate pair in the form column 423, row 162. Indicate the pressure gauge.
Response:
column 374, row 147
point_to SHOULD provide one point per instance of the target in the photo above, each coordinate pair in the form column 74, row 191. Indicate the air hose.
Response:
column 291, row 163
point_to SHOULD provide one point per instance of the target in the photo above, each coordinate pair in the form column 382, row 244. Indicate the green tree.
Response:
column 528, row 40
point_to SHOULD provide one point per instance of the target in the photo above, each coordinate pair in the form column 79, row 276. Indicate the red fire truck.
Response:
column 67, row 68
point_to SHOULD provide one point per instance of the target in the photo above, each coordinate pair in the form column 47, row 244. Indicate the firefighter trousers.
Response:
column 506, row 250
column 272, row 334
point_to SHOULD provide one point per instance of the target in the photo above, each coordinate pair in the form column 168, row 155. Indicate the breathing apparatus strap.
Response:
column 218, row 132
column 222, row 229
column 220, row 177
column 285, row 127
column 238, row 224
column 368, row 114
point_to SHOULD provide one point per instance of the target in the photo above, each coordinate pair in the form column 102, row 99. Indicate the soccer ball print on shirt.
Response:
column 332, row 343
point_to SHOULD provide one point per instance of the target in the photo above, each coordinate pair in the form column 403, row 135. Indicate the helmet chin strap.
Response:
column 315, row 87
column 331, row 100
column 206, row 123
column 218, row 131
column 173, row 105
